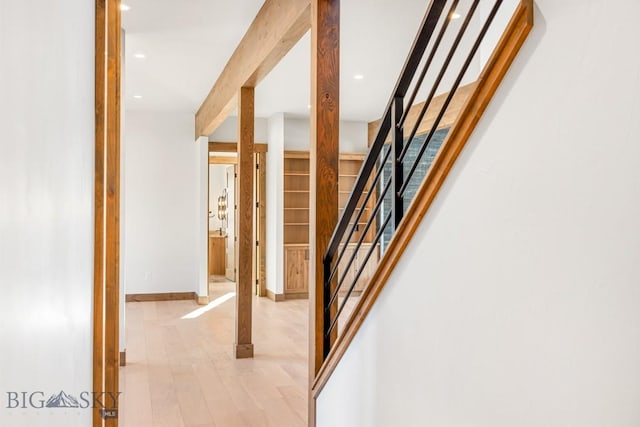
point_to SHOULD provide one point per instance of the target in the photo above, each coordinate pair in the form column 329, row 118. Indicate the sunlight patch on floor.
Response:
column 213, row 304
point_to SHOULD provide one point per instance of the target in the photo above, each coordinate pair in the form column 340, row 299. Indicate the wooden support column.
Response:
column 106, row 298
column 324, row 153
column 246, row 240
column 99, row 211
column 112, row 224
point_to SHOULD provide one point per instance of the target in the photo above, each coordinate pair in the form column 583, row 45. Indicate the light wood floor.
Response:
column 181, row 372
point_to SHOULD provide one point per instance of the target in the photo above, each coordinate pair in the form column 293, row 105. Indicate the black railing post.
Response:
column 326, row 342
column 397, row 136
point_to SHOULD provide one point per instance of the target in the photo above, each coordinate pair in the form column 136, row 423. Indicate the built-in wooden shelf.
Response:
column 296, row 216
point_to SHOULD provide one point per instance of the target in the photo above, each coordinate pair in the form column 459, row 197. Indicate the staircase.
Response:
column 458, row 59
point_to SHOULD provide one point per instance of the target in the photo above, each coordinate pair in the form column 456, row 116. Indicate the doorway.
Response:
column 223, row 224
column 222, row 219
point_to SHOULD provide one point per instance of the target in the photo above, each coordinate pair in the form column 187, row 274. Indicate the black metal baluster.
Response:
column 326, row 342
column 397, row 209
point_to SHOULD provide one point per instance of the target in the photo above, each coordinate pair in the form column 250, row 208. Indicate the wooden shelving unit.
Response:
column 296, row 211
column 296, row 219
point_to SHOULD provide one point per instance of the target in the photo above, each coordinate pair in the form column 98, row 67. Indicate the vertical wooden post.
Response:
column 112, row 224
column 99, row 214
column 246, row 240
column 324, row 153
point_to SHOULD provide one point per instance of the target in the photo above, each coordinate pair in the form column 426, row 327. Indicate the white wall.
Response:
column 497, row 27
column 162, row 166
column 517, row 303
column 296, row 133
column 353, row 135
column 228, row 130
column 275, row 204
column 46, row 205
column 201, row 216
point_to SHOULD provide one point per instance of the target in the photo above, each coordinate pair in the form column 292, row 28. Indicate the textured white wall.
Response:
column 517, row 303
column 46, row 205
column 164, row 171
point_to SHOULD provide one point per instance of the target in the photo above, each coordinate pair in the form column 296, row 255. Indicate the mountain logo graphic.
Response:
column 62, row 400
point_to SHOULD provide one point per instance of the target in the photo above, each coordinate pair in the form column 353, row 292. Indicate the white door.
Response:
column 231, row 224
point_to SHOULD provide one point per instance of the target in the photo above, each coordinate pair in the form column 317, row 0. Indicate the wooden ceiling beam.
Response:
column 274, row 31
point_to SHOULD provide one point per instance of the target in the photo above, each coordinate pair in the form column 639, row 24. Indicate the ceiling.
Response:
column 186, row 45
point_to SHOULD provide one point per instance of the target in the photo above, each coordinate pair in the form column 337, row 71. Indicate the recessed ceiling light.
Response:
column 137, row 96
column 455, row 15
column 139, row 55
column 124, row 7
column 358, row 77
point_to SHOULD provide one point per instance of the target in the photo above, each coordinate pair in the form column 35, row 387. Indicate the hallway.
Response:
column 180, row 369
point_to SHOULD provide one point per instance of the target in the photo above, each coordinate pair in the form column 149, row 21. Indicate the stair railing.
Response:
column 391, row 148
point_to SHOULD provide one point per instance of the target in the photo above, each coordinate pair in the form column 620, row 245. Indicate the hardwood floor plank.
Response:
column 296, row 398
column 191, row 399
column 279, row 413
column 135, row 402
column 165, row 412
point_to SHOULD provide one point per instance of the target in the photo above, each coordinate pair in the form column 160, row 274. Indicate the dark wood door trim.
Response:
column 106, row 304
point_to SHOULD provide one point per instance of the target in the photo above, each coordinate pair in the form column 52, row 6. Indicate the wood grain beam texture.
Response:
column 112, row 242
column 274, row 31
column 246, row 242
column 106, row 313
column 323, row 159
column 99, row 211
